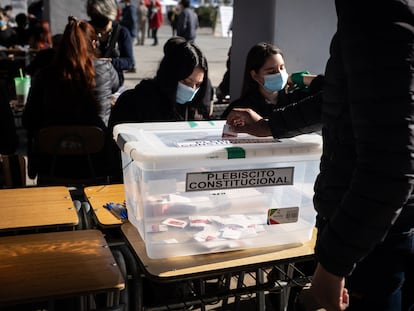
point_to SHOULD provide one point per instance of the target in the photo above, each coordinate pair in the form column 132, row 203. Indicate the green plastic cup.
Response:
column 22, row 85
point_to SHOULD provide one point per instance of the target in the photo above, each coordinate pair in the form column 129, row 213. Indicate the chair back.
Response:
column 63, row 143
column 70, row 140
column 13, row 171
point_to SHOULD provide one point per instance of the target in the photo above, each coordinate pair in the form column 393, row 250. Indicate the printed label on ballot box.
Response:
column 214, row 180
column 277, row 216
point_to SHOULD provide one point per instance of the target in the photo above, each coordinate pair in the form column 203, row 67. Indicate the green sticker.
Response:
column 235, row 153
column 192, row 124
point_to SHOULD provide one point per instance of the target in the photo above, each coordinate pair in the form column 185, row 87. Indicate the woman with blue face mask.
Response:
column 268, row 88
column 176, row 93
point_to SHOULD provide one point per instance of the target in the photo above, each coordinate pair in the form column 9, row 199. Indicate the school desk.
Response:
column 204, row 266
column 98, row 196
column 46, row 266
column 36, row 207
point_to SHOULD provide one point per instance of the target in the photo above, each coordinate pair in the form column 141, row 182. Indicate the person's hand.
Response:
column 246, row 120
column 329, row 290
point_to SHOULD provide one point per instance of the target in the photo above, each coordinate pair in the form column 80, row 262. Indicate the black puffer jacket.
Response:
column 107, row 83
column 365, row 186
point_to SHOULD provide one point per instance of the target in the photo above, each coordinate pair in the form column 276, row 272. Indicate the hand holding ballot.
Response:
column 246, row 120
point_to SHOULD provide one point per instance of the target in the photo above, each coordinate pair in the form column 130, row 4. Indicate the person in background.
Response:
column 175, row 94
column 35, row 10
column 8, row 12
column 265, row 89
column 209, row 94
column 129, row 19
column 223, row 89
column 142, row 12
column 172, row 19
column 44, row 57
column 75, row 89
column 115, row 42
column 156, row 20
column 41, row 36
column 364, row 191
column 150, row 7
column 22, row 29
column 8, row 37
column 9, row 140
column 187, row 22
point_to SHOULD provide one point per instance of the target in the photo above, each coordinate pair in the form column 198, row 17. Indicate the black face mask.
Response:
column 99, row 21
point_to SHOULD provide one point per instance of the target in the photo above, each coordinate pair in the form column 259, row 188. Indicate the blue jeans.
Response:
column 384, row 280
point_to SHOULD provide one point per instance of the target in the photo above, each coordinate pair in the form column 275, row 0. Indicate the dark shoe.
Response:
column 132, row 70
column 155, row 43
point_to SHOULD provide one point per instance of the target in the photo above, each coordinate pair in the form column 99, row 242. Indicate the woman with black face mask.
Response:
column 115, row 42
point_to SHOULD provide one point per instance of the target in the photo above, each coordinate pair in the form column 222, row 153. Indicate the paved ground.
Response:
column 147, row 57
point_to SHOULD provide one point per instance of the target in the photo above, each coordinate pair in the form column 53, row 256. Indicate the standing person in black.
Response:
column 364, row 193
column 187, row 22
column 115, row 43
column 150, row 11
column 129, row 18
column 22, row 29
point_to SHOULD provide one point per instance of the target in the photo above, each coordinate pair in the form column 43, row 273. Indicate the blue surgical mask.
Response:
column 2, row 23
column 275, row 82
column 185, row 93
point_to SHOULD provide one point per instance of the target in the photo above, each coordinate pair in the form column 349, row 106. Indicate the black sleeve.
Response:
column 297, row 118
column 123, row 110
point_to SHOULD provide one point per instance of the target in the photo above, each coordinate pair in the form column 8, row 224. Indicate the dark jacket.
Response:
column 9, row 139
column 52, row 102
column 187, row 24
column 364, row 188
column 148, row 102
column 119, row 48
column 296, row 112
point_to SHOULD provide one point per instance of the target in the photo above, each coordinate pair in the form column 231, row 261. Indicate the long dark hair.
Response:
column 178, row 63
column 255, row 60
column 76, row 53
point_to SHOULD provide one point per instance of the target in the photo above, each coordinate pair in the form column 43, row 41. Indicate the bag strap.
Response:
column 114, row 39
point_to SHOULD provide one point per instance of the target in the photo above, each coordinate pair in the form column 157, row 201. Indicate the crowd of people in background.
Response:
column 80, row 62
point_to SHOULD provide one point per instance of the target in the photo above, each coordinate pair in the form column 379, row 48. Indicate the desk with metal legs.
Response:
column 36, row 207
column 217, row 264
column 98, row 196
column 53, row 265
column 200, row 266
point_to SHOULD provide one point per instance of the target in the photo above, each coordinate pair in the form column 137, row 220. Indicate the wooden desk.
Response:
column 98, row 196
column 187, row 267
column 25, row 208
column 38, row 267
column 200, row 266
column 216, row 265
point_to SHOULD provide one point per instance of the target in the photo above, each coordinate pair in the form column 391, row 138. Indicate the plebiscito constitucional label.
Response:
column 214, row 180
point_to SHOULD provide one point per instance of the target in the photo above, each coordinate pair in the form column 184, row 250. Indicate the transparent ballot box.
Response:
column 189, row 191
